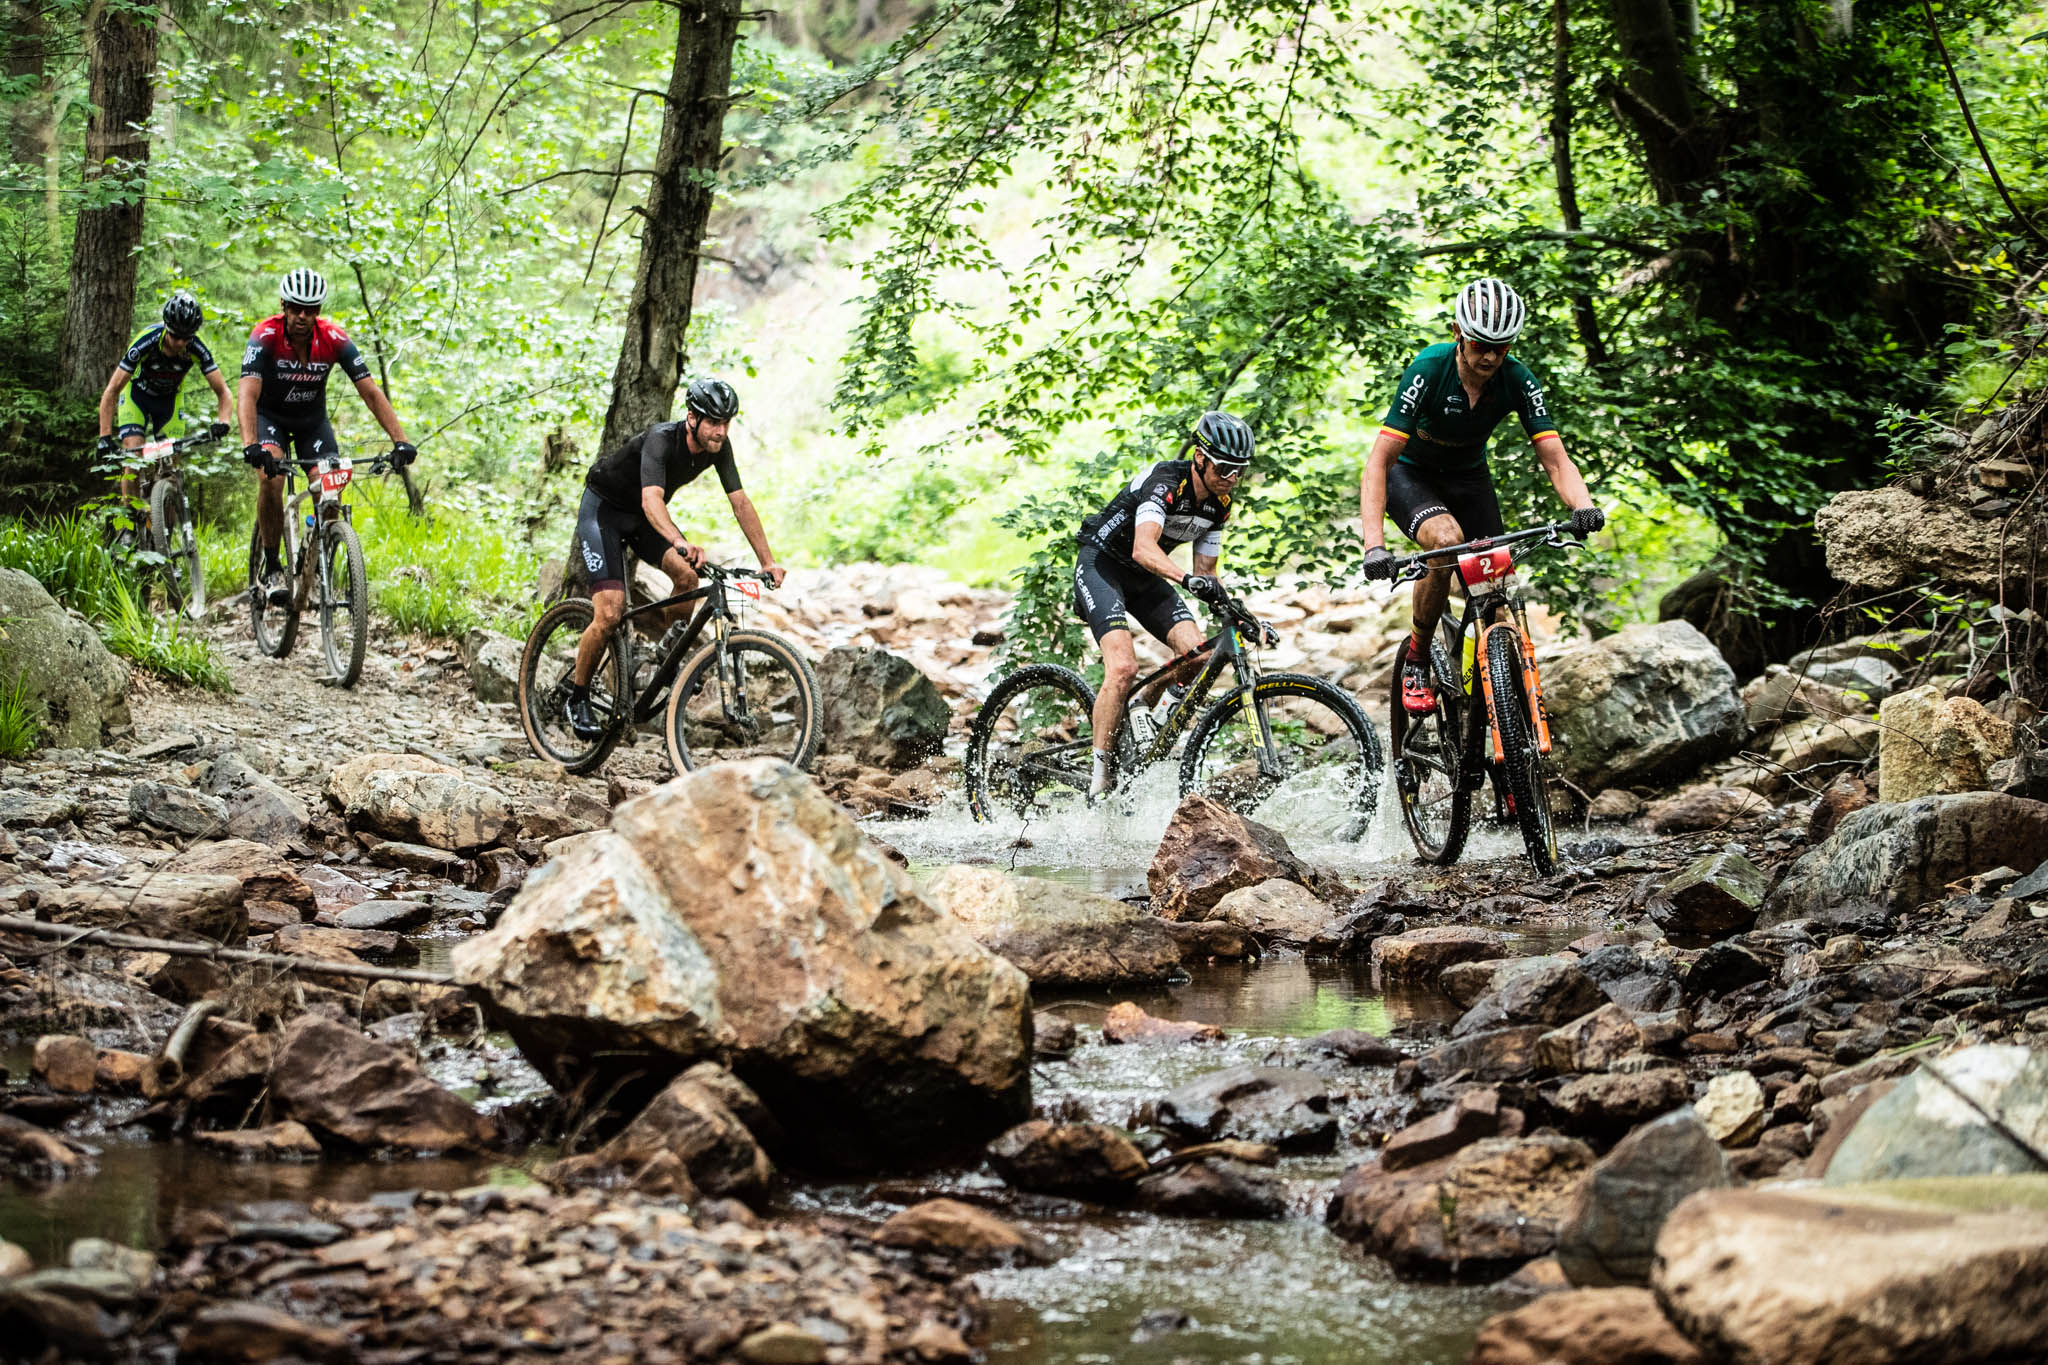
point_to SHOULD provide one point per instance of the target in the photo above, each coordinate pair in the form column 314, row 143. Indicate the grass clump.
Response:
column 21, row 719
column 161, row 645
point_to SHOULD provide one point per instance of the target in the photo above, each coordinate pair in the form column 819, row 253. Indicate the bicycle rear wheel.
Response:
column 343, row 583
column 277, row 628
column 174, row 537
column 1527, row 769
column 1029, row 750
column 1436, row 804
column 767, row 707
column 544, row 673
column 1328, row 755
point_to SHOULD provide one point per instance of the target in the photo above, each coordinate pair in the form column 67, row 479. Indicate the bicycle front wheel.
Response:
column 277, row 628
column 175, row 538
column 1436, row 804
column 1301, row 757
column 765, row 705
column 344, row 587
column 1029, row 751
column 1527, row 769
column 544, row 675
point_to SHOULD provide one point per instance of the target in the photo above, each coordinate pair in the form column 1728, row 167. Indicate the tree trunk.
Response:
column 651, row 354
column 121, row 50
column 28, row 125
column 1583, row 317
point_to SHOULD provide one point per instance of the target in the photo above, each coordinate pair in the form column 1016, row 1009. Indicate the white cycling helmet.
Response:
column 1490, row 311
column 303, row 287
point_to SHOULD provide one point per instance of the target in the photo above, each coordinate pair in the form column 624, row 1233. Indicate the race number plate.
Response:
column 749, row 587
column 334, row 477
column 155, row 449
column 1485, row 566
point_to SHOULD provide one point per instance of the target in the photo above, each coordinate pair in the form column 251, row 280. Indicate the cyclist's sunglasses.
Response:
column 1223, row 470
column 311, row 310
column 1489, row 347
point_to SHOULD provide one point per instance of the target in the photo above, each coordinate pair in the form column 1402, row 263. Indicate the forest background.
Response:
column 970, row 263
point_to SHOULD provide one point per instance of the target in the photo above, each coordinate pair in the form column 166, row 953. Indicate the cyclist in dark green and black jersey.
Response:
column 1428, row 466
column 142, row 392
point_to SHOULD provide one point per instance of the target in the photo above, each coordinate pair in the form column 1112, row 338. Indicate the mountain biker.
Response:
column 283, row 403
column 1428, row 465
column 1122, row 567
column 143, row 390
column 625, row 503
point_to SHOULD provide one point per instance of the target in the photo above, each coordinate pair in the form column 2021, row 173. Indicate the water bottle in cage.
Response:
column 1143, row 728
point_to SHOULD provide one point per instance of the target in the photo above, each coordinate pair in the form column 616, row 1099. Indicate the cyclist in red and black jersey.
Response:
column 283, row 403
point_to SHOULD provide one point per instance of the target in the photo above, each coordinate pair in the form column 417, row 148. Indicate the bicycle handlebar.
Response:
column 1551, row 535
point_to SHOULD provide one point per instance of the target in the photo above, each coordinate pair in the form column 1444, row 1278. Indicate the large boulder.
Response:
column 1278, row 911
column 493, row 660
column 1937, row 1270
column 1609, row 1235
column 1057, row 934
column 60, row 665
column 334, row 1080
column 1649, row 703
column 153, row 900
column 1941, row 1124
column 1901, row 855
column 1209, row 851
column 1933, row 745
column 265, row 875
column 257, row 808
column 418, row 800
column 1889, row 538
column 736, row 913
column 879, row 708
column 1481, row 1211
column 1584, row 1327
column 1420, row 955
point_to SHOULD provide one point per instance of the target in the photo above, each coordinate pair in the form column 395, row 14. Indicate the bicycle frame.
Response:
column 716, row 612
column 1226, row 648
column 336, row 473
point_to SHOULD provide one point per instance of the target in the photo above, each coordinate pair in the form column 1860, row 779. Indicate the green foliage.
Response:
column 444, row 574
column 161, row 645
column 21, row 719
column 894, row 521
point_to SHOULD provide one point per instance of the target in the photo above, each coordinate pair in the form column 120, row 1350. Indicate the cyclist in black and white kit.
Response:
column 1122, row 569
column 625, row 505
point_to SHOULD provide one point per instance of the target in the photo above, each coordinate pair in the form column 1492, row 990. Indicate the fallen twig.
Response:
column 72, row 938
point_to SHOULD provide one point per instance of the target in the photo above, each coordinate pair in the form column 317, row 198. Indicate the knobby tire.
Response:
column 701, row 673
column 347, row 580
column 1521, row 759
column 1055, row 686
column 1267, row 692
column 550, row 646
column 277, row 628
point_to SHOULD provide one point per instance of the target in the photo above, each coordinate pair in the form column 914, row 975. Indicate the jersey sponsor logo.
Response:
column 1410, row 396
column 1186, row 527
column 1534, row 391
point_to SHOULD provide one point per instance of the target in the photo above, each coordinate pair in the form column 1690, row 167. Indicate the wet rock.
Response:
column 1901, row 855
column 879, row 708
column 1614, row 804
column 1466, row 982
column 1053, row 1036
column 287, row 1141
column 119, row 1073
column 1712, row 896
column 1358, row 1047
column 1926, row 1126
column 1552, row 993
column 1733, row 1108
column 1593, row 1042
column 1472, row 1116
column 1422, row 954
column 415, row 799
column 253, row 1332
column 1278, row 911
column 1057, row 934
column 264, row 873
column 1842, row 798
column 258, row 809
column 1704, row 808
column 1289, row 1109
column 1090, row 1160
column 1479, row 1212
column 1609, row 1234
column 65, row 1062
column 736, row 911
column 342, row 945
column 1584, row 1327
column 499, row 869
column 493, row 662
column 166, row 903
column 690, row 1123
column 1125, row 1022
column 388, row 916
column 63, row 670
column 1209, row 851
column 177, row 810
column 1604, row 1105
column 1213, row 1188
column 1935, row 745
column 1207, row 940
column 1650, row 702
column 1726, row 967
column 1859, row 1273
column 66, row 1314
column 951, row 1228
column 332, row 1078
column 1502, row 1055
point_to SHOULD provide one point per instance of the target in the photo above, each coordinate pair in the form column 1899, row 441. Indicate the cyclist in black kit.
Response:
column 625, row 503
column 1122, row 569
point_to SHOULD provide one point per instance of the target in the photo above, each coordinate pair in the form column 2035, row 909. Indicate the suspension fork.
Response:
column 1255, row 714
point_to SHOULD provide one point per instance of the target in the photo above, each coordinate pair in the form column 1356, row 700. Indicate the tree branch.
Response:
column 577, row 170
column 1635, row 248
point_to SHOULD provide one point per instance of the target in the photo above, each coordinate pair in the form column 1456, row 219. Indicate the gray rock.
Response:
column 1609, row 1236
column 1289, row 1109
column 1901, row 855
column 493, row 660
column 1092, row 1160
column 1926, row 1128
column 60, row 664
column 1554, row 993
column 257, row 808
column 420, row 800
column 177, row 810
column 1214, row 1188
column 1648, row 703
column 1501, row 1055
column 879, row 708
column 1715, row 894
column 393, row 916
column 35, row 810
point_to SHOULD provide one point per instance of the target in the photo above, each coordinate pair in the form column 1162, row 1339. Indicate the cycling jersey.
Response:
column 157, row 373
column 659, row 457
column 1162, row 496
column 295, row 387
column 1449, row 432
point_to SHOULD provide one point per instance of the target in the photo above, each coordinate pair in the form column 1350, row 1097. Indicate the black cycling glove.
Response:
column 1379, row 563
column 1206, row 589
column 273, row 468
column 109, row 444
column 402, row 454
column 217, row 430
column 252, row 456
column 1587, row 520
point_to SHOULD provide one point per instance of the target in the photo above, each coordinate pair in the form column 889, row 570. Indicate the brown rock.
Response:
column 1422, row 954
column 65, row 1062
column 332, row 1078
column 1843, row 797
column 953, row 1228
column 1604, row 1106
column 287, row 1141
column 263, row 872
column 342, row 945
column 1480, row 1211
column 1127, row 1023
column 252, row 1332
column 1705, row 808
column 149, row 899
column 1584, row 1327
column 118, row 1072
column 1501, row 1055
column 1475, row 1115
column 1091, row 1160
column 1209, row 851
column 692, row 1123
column 1593, row 1043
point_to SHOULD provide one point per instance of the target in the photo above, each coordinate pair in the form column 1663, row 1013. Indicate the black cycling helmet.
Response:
column 1224, row 438
column 712, row 399
column 182, row 316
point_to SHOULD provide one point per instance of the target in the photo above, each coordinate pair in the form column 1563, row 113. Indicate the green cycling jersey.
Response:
column 1440, row 428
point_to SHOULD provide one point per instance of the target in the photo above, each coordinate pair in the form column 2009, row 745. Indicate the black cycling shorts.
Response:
column 305, row 443
column 1415, row 495
column 603, row 535
column 1106, row 588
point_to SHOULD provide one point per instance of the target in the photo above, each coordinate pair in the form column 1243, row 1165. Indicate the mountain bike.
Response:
column 166, row 529
column 1492, row 723
column 325, row 572
column 1293, row 751
column 745, row 694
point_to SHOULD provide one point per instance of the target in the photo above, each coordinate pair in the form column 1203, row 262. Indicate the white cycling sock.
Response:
column 1098, row 781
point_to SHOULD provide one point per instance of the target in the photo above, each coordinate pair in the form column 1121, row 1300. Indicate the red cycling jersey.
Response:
column 294, row 386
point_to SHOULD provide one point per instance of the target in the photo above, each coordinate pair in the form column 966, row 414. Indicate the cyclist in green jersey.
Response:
column 142, row 392
column 1428, row 466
